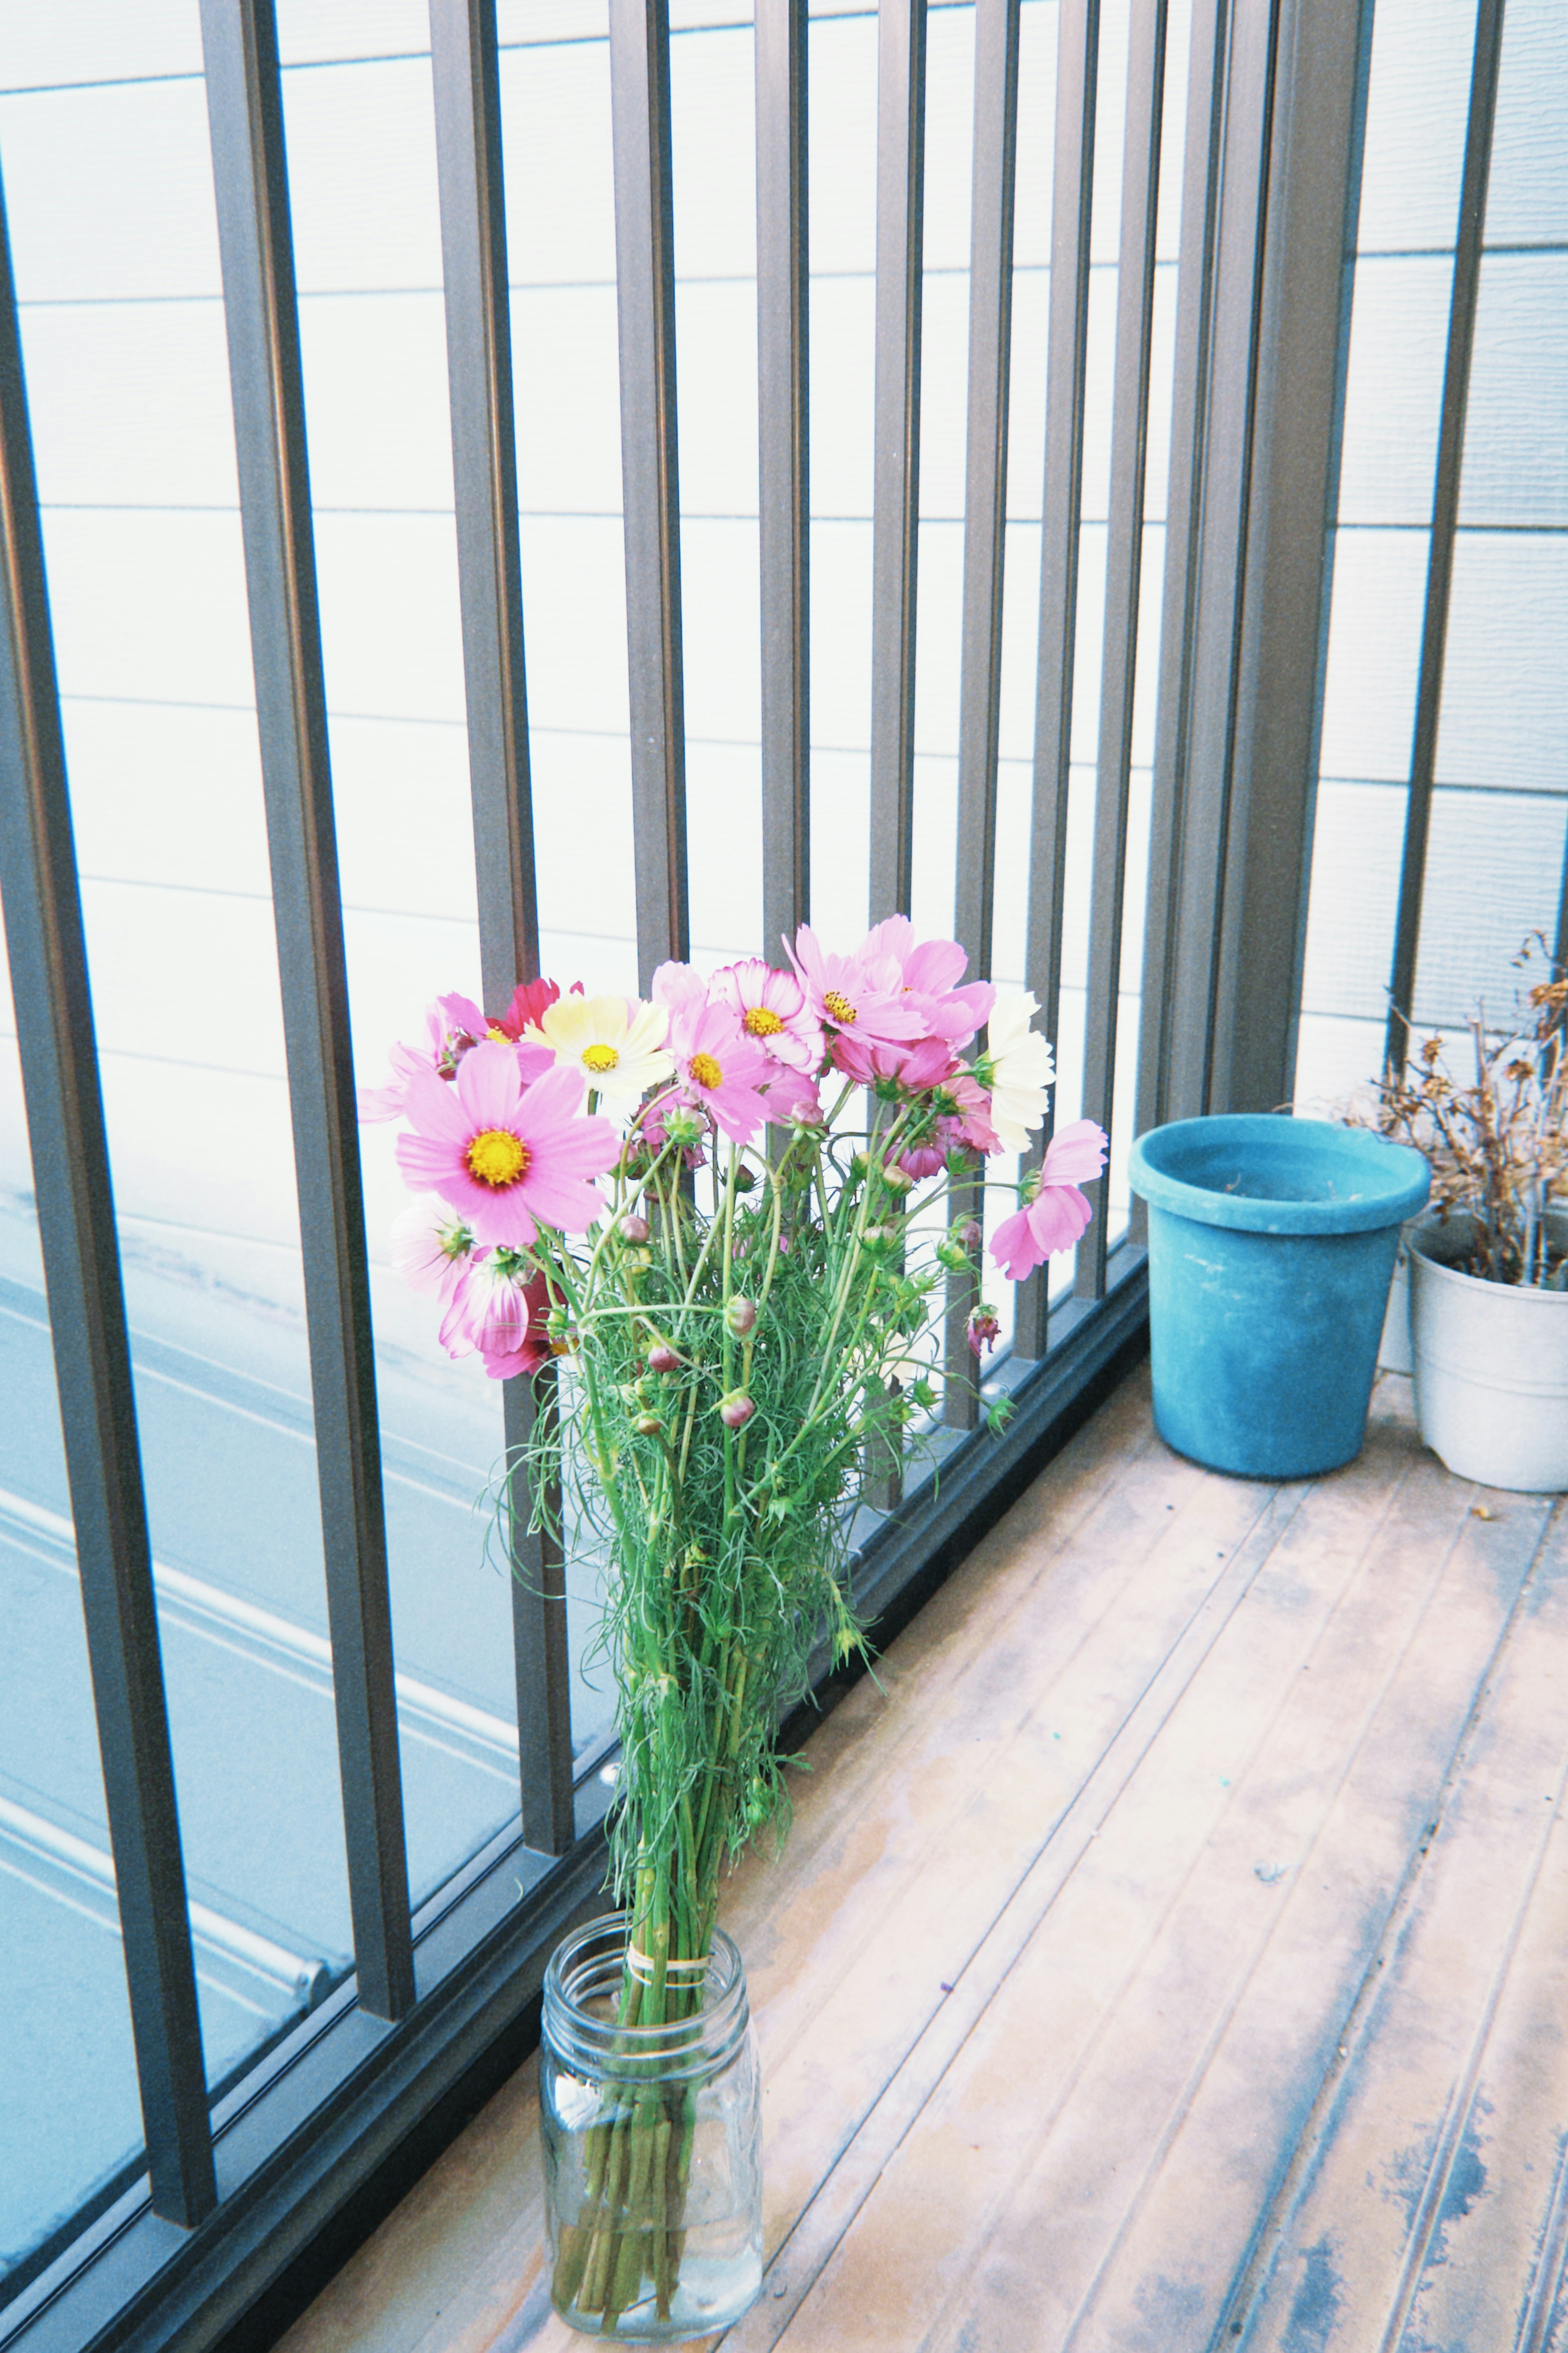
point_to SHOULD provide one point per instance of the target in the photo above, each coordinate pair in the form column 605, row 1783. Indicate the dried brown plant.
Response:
column 1498, row 1146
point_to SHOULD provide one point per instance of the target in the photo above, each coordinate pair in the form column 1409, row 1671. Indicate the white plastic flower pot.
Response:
column 1393, row 1348
column 1490, row 1366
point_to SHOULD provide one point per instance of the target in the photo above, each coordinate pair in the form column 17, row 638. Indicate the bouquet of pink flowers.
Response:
column 719, row 1214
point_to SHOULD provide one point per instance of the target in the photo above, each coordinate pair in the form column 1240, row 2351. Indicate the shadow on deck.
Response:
column 1175, row 1959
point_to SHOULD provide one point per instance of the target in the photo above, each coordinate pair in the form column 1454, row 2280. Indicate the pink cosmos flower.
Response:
column 431, row 1246
column 504, row 1154
column 965, row 1127
column 929, row 973
column 718, row 1068
column 792, row 1096
column 771, row 1007
column 1058, row 1213
column 501, row 1311
column 863, row 992
column 916, row 1063
column 454, row 1025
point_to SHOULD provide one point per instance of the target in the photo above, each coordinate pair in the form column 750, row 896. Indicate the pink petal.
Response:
column 1076, row 1152
column 429, row 1163
column 551, row 1104
column 1057, row 1218
column 532, row 1061
column 561, row 1200
column 490, row 1086
column 500, row 1214
column 380, row 1103
column 934, row 967
column 1015, row 1249
column 434, row 1107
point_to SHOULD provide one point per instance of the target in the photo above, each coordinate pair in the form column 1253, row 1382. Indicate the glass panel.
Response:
column 1393, row 390
column 136, row 472
column 1374, row 651
column 1516, row 421
column 1417, row 99
column 1527, row 194
column 1357, row 840
column 71, row 2119
column 1505, row 682
column 1494, row 871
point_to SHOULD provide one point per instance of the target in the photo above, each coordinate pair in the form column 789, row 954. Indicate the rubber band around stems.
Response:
column 641, row 1966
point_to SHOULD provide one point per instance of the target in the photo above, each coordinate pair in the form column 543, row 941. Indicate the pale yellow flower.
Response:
column 616, row 1046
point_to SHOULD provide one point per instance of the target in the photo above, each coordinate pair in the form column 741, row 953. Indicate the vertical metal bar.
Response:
column 1078, row 70
column 1211, row 607
column 466, row 81
column 47, row 955
column 1303, row 340
column 645, row 278
column 1201, row 181
column 1445, row 517
column 783, row 377
column 239, row 43
column 985, row 551
column 894, row 527
column 1123, row 571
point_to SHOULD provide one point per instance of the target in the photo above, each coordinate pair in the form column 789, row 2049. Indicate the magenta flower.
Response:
column 501, row 1311
column 917, row 1063
column 1058, row 1213
column 771, row 1008
column 503, row 1154
column 863, row 992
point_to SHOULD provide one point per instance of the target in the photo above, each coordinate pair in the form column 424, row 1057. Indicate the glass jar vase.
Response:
column 652, row 2130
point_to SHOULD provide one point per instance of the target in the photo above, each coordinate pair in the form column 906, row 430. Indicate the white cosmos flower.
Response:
column 430, row 1244
column 616, row 1046
column 1023, row 1067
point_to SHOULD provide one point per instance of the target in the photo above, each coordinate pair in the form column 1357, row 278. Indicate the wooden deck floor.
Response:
column 1175, row 1959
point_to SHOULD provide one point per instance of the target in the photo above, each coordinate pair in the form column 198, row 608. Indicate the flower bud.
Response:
column 896, row 1178
column 637, row 1259
column 635, row 1229
column 647, row 1425
column 984, row 1328
column 741, row 1315
column 736, row 1409
column 663, row 1358
column 970, row 1235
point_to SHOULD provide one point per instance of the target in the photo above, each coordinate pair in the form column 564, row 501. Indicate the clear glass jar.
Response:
column 652, row 2142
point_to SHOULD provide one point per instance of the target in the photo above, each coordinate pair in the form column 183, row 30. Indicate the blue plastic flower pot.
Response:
column 1271, row 1248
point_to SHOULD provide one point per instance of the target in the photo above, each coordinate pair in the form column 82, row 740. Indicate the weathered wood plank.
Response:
column 1114, row 2013
column 1422, row 2210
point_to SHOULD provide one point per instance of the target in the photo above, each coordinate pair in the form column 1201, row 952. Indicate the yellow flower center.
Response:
column 839, row 1007
column 599, row 1058
column 705, row 1071
column 498, row 1037
column 496, row 1157
column 761, row 1021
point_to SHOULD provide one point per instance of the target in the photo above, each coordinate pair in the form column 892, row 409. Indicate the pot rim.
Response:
column 1396, row 1184
column 1432, row 1223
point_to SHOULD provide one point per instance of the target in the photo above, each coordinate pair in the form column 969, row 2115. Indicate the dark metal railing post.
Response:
column 1445, row 521
column 644, row 279
column 47, row 952
column 1123, row 572
column 1077, row 54
column 1208, row 607
column 239, row 39
column 466, row 75
column 1184, row 513
column 784, row 517
column 894, row 527
column 985, row 551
